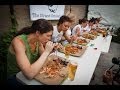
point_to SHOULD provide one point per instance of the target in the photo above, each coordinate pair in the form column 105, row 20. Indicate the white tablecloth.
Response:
column 86, row 63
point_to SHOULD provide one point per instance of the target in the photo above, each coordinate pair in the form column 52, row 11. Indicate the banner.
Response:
column 48, row 12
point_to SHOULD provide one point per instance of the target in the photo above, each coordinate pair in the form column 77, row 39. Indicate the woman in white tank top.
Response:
column 78, row 29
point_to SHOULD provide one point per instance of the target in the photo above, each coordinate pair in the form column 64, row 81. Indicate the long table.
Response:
column 86, row 63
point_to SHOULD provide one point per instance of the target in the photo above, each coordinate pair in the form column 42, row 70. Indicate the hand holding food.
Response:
column 73, row 37
column 49, row 46
column 58, row 46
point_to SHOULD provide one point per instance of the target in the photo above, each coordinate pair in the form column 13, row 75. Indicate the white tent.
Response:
column 110, row 14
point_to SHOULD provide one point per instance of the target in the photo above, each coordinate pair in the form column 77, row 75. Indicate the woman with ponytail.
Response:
column 29, row 49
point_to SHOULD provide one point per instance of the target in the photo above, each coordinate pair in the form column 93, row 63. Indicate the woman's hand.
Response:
column 49, row 46
column 84, row 30
column 41, row 48
column 58, row 46
column 73, row 37
column 77, row 31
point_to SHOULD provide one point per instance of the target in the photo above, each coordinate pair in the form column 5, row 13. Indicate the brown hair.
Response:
column 63, row 19
column 41, row 25
column 84, row 20
column 92, row 20
column 98, row 19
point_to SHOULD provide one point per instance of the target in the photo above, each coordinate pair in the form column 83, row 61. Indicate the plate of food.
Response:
column 103, row 32
column 93, row 32
column 74, row 50
column 81, row 41
column 54, row 71
column 89, row 36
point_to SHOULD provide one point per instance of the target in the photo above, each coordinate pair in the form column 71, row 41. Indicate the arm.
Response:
column 70, row 38
column 29, row 70
column 63, row 38
column 67, row 37
column 77, row 31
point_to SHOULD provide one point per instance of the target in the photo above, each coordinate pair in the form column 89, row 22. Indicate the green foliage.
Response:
column 116, row 38
column 5, row 41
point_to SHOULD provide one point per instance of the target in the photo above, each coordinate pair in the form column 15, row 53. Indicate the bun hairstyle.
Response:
column 98, row 19
column 71, row 16
column 92, row 20
column 84, row 20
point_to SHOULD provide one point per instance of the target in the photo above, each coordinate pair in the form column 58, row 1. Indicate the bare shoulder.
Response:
column 17, row 42
column 77, row 28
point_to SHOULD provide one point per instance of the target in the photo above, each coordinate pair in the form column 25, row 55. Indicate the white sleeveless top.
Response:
column 56, row 36
column 74, row 29
column 87, row 28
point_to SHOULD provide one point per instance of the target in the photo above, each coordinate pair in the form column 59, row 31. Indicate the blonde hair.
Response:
column 72, row 16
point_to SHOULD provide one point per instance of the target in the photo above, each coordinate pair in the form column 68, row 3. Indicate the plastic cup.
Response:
column 72, row 66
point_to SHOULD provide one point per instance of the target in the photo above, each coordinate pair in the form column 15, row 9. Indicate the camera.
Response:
column 116, row 77
column 116, row 60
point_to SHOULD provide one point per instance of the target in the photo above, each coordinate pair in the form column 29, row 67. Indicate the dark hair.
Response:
column 92, row 20
column 97, row 19
column 84, row 20
column 41, row 25
column 64, row 19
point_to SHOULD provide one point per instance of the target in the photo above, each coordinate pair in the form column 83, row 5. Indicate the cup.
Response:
column 72, row 66
column 67, row 52
column 104, row 34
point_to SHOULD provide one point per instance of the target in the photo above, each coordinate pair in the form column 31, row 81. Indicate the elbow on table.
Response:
column 29, row 75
